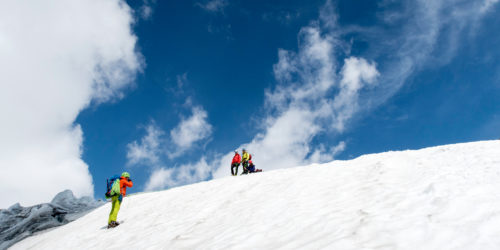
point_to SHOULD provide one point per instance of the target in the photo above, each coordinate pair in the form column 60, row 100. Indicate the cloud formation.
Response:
column 190, row 130
column 487, row 5
column 146, row 10
column 148, row 149
column 421, row 35
column 214, row 6
column 57, row 58
column 162, row 178
column 154, row 145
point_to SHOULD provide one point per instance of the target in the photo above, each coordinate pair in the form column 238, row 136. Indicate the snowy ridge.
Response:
column 445, row 197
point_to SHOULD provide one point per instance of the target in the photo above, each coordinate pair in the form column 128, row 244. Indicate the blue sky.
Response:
column 295, row 82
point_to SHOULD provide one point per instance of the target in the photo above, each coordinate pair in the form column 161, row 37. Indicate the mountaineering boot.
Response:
column 113, row 224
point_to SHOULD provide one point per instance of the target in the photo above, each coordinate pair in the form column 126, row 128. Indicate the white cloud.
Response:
column 216, row 8
column 153, row 147
column 56, row 58
column 159, row 179
column 431, row 34
column 181, row 81
column 487, row 5
column 281, row 16
column 356, row 74
column 214, row 5
column 322, row 154
column 149, row 152
column 189, row 131
column 163, row 178
column 146, row 10
column 146, row 151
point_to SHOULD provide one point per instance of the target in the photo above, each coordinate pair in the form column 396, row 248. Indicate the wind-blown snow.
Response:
column 444, row 197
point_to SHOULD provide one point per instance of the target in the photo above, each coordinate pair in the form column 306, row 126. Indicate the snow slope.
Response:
column 444, row 197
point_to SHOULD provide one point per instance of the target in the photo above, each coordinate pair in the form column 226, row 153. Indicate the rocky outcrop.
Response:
column 17, row 222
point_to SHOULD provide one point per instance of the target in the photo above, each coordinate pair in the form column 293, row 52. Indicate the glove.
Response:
column 120, row 198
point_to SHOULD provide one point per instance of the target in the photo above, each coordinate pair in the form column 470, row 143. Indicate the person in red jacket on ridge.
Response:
column 235, row 163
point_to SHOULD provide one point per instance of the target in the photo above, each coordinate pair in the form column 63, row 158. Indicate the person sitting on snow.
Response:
column 251, row 167
column 235, row 163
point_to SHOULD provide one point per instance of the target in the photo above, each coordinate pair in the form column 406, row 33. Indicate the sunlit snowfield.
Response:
column 444, row 197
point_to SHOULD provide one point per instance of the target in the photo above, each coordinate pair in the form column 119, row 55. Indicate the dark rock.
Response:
column 17, row 222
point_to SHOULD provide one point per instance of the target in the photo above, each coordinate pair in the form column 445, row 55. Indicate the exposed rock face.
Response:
column 17, row 222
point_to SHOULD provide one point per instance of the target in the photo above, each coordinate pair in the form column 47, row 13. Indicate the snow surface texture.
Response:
column 17, row 222
column 439, row 198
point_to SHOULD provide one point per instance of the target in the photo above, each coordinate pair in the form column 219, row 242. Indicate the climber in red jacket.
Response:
column 235, row 163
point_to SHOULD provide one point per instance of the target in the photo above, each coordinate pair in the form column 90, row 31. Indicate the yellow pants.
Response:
column 115, row 207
